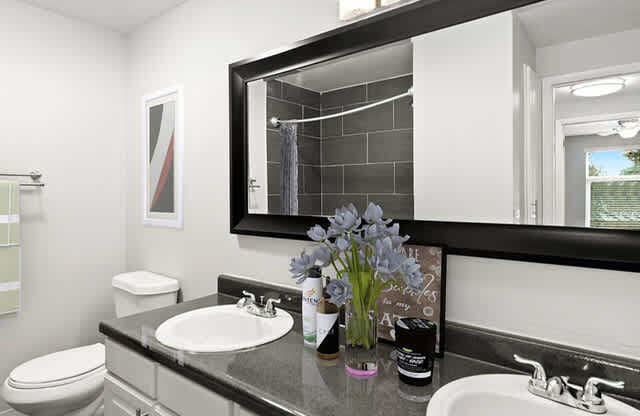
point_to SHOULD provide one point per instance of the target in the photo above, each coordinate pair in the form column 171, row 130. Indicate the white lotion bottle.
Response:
column 311, row 294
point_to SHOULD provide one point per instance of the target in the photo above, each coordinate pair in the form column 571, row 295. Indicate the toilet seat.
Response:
column 59, row 369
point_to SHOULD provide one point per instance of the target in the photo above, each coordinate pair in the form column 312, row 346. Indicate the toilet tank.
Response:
column 141, row 291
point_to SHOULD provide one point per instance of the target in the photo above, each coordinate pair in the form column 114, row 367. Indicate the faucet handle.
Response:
column 592, row 394
column 249, row 299
column 539, row 377
column 270, row 308
column 250, row 295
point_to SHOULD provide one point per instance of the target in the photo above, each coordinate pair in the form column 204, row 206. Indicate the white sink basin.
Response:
column 222, row 328
column 505, row 395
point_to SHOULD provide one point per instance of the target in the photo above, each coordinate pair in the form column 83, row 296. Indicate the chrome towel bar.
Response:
column 34, row 175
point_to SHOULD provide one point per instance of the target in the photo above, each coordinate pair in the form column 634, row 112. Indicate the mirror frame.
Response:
column 572, row 246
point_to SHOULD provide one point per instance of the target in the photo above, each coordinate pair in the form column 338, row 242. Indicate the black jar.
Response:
column 415, row 347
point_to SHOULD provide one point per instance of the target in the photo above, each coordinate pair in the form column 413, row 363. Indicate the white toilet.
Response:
column 71, row 382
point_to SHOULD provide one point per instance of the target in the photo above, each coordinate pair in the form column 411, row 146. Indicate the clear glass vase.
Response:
column 361, row 338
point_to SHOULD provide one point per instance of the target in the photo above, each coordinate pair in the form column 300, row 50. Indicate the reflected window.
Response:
column 613, row 189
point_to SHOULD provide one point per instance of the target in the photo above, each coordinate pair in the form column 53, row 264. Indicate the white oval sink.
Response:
column 505, row 395
column 221, row 329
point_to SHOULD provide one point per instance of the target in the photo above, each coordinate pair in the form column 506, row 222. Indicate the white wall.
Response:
column 193, row 45
column 463, row 146
column 587, row 54
column 61, row 112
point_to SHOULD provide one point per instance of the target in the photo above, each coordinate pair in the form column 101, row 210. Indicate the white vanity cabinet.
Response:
column 137, row 386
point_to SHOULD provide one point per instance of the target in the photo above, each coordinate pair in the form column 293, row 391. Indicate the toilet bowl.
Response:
column 71, row 382
column 68, row 382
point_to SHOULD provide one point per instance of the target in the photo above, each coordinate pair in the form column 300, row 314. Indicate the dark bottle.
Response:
column 327, row 330
column 415, row 346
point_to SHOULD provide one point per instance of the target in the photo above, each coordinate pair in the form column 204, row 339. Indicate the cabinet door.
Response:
column 187, row 398
column 120, row 399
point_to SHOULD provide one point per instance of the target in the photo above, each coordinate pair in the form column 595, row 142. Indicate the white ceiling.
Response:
column 559, row 21
column 119, row 15
column 373, row 65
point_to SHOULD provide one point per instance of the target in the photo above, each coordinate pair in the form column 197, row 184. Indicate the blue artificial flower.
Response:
column 300, row 266
column 339, row 291
column 342, row 244
column 323, row 255
column 345, row 220
column 411, row 274
column 373, row 213
column 317, row 233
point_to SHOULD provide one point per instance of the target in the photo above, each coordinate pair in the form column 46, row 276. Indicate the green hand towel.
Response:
column 9, row 247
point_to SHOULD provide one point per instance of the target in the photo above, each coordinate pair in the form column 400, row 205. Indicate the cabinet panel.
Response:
column 131, row 367
column 120, row 399
column 187, row 398
column 160, row 410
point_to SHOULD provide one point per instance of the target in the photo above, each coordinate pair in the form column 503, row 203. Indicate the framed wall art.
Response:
column 162, row 134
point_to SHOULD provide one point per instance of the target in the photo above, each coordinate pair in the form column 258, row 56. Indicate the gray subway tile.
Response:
column 331, row 202
column 388, row 88
column 300, row 95
column 346, row 149
column 395, row 206
column 344, row 96
column 309, row 205
column 332, row 179
column 308, row 150
column 378, row 178
column 403, row 113
column 373, row 119
column 313, row 128
column 390, row 146
column 273, row 146
column 273, row 202
column 274, row 88
column 333, row 126
column 300, row 179
column 404, row 178
column 282, row 109
column 273, row 178
column 312, row 181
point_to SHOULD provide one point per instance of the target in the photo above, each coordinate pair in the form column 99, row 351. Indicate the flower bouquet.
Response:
column 367, row 255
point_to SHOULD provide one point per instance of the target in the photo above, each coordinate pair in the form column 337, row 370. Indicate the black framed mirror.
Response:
column 472, row 137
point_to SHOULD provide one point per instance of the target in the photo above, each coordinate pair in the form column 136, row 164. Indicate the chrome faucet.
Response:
column 264, row 310
column 560, row 390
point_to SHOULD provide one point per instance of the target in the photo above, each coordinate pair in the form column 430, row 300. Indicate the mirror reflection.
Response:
column 528, row 117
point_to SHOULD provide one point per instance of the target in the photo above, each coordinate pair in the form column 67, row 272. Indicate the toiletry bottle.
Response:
column 311, row 293
column 328, row 332
column 415, row 347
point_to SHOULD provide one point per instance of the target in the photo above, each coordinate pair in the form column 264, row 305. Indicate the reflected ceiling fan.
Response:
column 626, row 129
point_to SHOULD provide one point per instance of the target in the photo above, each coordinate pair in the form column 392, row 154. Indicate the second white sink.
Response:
column 505, row 395
column 221, row 329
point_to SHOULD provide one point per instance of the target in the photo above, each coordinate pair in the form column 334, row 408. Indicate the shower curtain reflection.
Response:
column 289, row 169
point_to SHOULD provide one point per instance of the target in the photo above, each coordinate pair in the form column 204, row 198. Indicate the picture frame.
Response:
column 398, row 301
column 162, row 161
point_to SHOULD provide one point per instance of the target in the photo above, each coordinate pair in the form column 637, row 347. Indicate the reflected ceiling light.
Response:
column 627, row 129
column 597, row 88
column 353, row 8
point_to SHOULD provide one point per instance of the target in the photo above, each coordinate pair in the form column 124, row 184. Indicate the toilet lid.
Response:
column 59, row 368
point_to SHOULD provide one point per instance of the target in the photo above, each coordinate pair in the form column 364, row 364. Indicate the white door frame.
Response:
column 553, row 141
column 532, row 109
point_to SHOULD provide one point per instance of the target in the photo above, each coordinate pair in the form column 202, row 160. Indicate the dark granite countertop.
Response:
column 285, row 378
